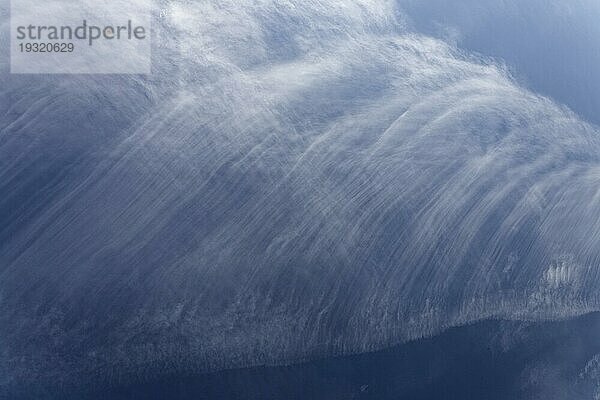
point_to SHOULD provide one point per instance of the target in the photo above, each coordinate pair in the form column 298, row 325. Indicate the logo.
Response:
column 85, row 37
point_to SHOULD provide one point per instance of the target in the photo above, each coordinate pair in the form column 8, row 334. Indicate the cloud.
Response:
column 350, row 187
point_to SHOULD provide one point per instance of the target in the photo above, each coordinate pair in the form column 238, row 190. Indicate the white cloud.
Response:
column 364, row 187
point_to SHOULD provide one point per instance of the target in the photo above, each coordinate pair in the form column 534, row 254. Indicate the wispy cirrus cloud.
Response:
column 295, row 179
